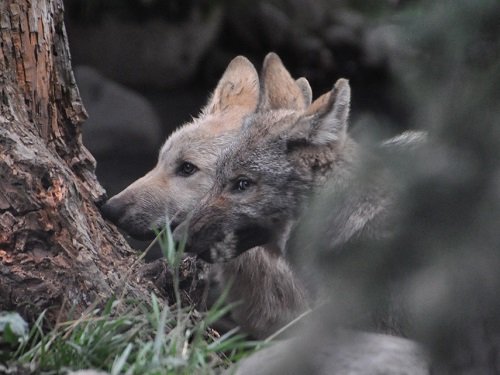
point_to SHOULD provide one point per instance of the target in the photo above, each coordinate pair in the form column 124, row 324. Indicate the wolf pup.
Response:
column 263, row 179
column 269, row 292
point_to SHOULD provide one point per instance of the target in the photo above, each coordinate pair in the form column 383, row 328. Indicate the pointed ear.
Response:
column 325, row 121
column 306, row 90
column 239, row 86
column 278, row 89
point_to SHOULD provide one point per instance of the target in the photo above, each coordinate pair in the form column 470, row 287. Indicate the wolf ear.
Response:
column 278, row 90
column 239, row 86
column 306, row 90
column 325, row 121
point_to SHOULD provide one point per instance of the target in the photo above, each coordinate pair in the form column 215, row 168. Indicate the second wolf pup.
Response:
column 263, row 179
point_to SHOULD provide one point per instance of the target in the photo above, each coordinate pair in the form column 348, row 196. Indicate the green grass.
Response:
column 127, row 337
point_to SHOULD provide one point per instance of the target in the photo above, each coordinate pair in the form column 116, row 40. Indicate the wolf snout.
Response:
column 122, row 212
column 113, row 210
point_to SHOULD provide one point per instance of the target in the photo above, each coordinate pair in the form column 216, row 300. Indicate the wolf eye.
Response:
column 186, row 169
column 242, row 184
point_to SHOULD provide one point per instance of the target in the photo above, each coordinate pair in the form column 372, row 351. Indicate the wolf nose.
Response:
column 113, row 210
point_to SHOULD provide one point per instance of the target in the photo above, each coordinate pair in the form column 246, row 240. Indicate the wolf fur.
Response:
column 261, row 280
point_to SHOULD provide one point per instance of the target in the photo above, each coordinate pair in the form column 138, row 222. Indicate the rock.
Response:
column 275, row 23
column 120, row 120
column 310, row 14
column 350, row 19
column 336, row 35
column 345, row 352
column 154, row 54
column 381, row 43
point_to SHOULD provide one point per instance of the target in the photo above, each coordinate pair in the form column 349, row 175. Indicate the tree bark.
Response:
column 56, row 251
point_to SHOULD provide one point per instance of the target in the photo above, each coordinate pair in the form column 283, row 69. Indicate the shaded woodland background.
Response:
column 170, row 54
column 173, row 53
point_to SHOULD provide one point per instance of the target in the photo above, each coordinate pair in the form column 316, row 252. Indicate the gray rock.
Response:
column 382, row 42
column 341, row 35
column 345, row 352
column 120, row 120
column 155, row 54
column 275, row 22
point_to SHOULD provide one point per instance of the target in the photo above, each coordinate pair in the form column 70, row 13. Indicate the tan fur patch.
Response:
column 239, row 86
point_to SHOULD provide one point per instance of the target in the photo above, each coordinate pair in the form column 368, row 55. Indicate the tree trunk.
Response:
column 56, row 251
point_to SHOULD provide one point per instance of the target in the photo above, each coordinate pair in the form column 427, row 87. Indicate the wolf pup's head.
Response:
column 263, row 177
column 186, row 167
column 186, row 163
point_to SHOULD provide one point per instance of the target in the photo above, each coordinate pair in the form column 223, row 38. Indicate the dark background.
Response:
column 172, row 53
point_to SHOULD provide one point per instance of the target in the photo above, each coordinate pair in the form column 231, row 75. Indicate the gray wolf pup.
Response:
column 262, row 180
column 186, row 164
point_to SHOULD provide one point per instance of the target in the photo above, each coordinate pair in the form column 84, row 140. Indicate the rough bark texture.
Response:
column 54, row 245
